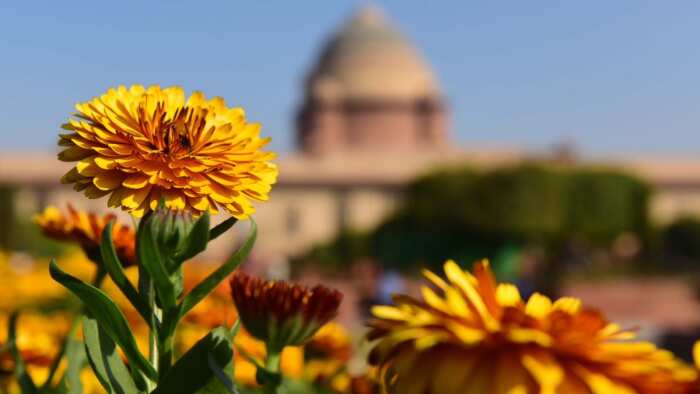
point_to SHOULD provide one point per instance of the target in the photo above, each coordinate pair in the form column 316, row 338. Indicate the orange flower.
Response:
column 86, row 229
column 139, row 145
column 474, row 335
column 282, row 314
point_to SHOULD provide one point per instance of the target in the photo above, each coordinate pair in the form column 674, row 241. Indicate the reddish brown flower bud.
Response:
column 281, row 313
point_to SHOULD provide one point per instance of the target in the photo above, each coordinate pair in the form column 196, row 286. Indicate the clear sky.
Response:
column 614, row 76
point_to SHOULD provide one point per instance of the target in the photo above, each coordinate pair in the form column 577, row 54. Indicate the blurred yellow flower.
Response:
column 472, row 335
column 139, row 144
column 332, row 341
column 86, row 228
column 327, row 355
column 39, row 339
column 25, row 282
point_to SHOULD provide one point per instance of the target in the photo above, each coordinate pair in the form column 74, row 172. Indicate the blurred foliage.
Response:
column 7, row 210
column 681, row 239
column 464, row 214
column 349, row 245
column 27, row 237
column 19, row 233
column 603, row 204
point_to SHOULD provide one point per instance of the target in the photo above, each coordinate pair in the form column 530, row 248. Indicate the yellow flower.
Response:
column 332, row 341
column 327, row 355
column 38, row 340
column 472, row 335
column 86, row 229
column 139, row 145
column 280, row 313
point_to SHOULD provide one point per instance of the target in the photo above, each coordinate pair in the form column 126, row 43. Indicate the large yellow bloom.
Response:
column 139, row 145
column 473, row 335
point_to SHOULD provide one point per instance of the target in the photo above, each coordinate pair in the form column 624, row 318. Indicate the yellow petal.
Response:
column 87, row 167
column 465, row 282
column 108, row 180
column 567, row 304
column 508, row 295
column 387, row 312
column 105, row 163
column 545, row 370
column 538, row 306
column 136, row 181
column 74, row 153
column 133, row 198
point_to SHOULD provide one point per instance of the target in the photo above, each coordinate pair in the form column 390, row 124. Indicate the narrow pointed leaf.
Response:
column 75, row 354
column 115, row 269
column 210, row 282
column 221, row 228
column 105, row 361
column 110, row 318
column 25, row 381
column 197, row 239
column 193, row 373
column 151, row 259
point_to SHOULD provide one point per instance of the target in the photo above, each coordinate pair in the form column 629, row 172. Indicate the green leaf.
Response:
column 223, row 375
column 75, row 353
column 221, row 228
column 197, row 239
column 210, row 282
column 150, row 258
column 193, row 373
column 115, row 269
column 105, row 361
column 233, row 332
column 26, row 384
column 109, row 316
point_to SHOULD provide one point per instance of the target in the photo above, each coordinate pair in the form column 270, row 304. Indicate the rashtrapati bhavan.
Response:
column 372, row 118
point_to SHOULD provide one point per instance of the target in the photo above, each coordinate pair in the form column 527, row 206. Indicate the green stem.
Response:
column 272, row 365
column 97, row 282
column 166, row 335
column 147, row 291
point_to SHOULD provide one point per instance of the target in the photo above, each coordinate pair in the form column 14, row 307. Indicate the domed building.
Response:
column 372, row 118
column 370, row 90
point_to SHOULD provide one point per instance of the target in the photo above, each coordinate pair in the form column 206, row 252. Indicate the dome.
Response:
column 369, row 60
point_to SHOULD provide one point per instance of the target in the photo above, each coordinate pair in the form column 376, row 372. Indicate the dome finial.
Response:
column 369, row 14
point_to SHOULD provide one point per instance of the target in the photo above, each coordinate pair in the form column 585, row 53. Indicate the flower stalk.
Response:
column 272, row 367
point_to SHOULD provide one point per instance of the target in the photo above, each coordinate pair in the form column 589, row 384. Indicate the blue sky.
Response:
column 614, row 76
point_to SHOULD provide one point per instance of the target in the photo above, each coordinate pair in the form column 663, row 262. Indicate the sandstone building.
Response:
column 372, row 118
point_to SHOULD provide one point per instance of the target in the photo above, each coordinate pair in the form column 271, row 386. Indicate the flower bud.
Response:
column 281, row 313
column 170, row 230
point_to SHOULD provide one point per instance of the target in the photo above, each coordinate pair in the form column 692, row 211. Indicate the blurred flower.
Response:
column 39, row 338
column 473, row 333
column 327, row 355
column 86, row 229
column 25, row 282
column 140, row 144
column 282, row 314
column 346, row 383
column 364, row 385
column 331, row 341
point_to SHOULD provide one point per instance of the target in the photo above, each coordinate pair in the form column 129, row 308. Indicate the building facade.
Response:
column 372, row 118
